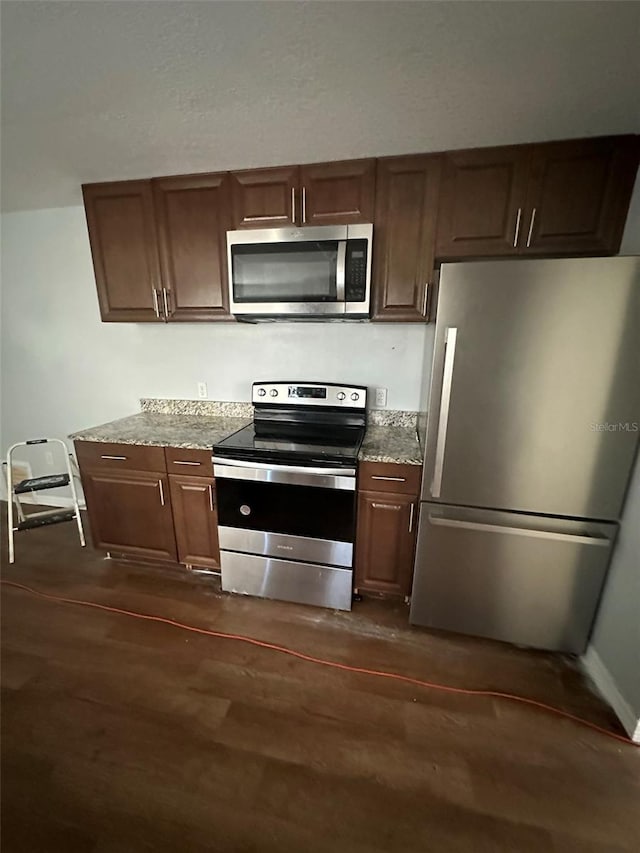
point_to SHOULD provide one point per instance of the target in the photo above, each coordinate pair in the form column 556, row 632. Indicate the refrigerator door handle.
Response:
column 581, row 539
column 450, row 337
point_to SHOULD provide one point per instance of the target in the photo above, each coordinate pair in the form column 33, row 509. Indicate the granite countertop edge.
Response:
column 391, row 444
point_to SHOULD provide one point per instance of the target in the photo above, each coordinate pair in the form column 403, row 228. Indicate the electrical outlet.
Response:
column 381, row 398
column 202, row 390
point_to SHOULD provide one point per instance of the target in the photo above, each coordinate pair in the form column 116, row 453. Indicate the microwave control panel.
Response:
column 356, row 270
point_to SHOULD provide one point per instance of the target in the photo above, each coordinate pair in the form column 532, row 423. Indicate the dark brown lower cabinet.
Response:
column 195, row 519
column 130, row 511
column 385, row 542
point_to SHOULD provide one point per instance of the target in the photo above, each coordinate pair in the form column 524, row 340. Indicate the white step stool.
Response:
column 38, row 484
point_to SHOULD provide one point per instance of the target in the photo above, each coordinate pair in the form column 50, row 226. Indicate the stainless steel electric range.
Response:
column 286, row 493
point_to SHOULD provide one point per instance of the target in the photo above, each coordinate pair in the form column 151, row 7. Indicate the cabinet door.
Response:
column 265, row 198
column 122, row 234
column 130, row 512
column 337, row 193
column 196, row 520
column 193, row 215
column 405, row 224
column 385, row 542
column 482, row 199
column 578, row 195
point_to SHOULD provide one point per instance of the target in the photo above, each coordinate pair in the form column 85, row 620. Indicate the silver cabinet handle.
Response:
column 210, row 497
column 517, row 234
column 156, row 307
column 181, row 462
column 293, row 205
column 119, row 458
column 450, row 336
column 165, row 299
column 386, row 506
column 304, row 205
column 519, row 531
column 161, row 492
column 533, row 219
column 411, row 518
column 426, row 299
column 394, row 479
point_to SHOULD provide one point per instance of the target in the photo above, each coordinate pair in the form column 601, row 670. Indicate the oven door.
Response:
column 287, row 271
column 289, row 512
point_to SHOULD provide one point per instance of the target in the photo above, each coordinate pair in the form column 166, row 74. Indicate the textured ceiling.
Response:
column 101, row 91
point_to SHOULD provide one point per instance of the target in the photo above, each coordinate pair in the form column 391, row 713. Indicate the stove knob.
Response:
column 341, row 395
column 355, row 396
column 261, row 392
column 274, row 392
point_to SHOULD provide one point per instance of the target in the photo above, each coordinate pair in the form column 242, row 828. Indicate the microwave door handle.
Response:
column 341, row 269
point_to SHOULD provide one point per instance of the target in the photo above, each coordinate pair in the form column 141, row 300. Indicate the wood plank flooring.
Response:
column 121, row 736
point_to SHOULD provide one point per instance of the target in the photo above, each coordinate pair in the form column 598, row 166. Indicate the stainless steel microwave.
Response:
column 301, row 273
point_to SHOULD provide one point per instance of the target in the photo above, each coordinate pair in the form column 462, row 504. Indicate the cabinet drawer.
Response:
column 389, row 477
column 120, row 457
column 194, row 463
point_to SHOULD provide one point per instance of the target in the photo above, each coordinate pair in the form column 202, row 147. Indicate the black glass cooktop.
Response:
column 298, row 447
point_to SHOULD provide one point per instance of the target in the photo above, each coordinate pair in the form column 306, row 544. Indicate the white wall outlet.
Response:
column 202, row 390
column 381, row 398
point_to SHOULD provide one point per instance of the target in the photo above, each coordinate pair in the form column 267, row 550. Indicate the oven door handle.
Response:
column 293, row 475
column 276, row 466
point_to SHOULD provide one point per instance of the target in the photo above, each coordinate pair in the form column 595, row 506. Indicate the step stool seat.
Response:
column 37, row 484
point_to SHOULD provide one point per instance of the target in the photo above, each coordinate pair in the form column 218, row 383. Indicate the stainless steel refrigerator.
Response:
column 531, row 435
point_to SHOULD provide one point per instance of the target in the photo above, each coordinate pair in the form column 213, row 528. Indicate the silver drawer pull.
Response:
column 161, row 492
column 411, row 518
column 119, row 458
column 386, row 506
column 210, row 497
column 558, row 536
column 394, row 479
column 183, row 462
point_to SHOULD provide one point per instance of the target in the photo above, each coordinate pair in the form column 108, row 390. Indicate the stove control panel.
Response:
column 309, row 394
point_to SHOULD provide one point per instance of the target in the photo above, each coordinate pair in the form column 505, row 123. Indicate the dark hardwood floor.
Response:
column 121, row 736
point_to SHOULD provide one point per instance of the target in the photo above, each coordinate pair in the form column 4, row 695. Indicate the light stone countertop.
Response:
column 199, row 432
column 391, row 443
column 397, row 444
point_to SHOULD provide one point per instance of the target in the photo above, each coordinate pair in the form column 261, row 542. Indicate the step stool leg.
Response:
column 10, row 497
column 75, row 501
column 19, row 510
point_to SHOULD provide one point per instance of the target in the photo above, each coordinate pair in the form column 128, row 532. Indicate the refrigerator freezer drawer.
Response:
column 529, row 580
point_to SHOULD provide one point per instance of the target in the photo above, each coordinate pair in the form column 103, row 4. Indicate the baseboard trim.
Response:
column 596, row 670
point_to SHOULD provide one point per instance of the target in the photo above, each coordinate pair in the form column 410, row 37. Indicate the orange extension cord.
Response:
column 417, row 682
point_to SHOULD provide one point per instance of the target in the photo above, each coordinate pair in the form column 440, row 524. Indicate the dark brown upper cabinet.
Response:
column 553, row 199
column 578, row 195
column 122, row 234
column 265, row 198
column 192, row 215
column 319, row 194
column 404, row 240
column 481, row 202
column 337, row 193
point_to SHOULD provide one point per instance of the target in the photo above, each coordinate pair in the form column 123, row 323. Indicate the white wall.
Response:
column 613, row 658
column 63, row 369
